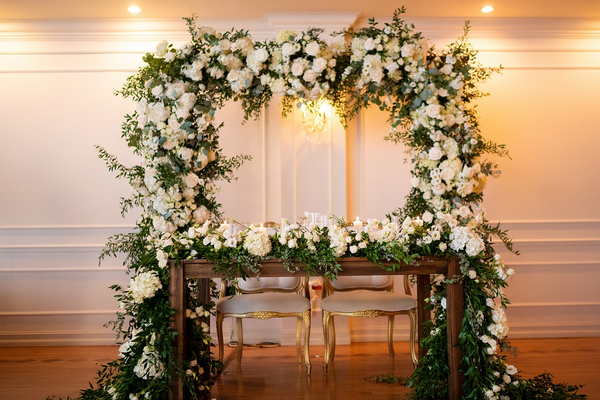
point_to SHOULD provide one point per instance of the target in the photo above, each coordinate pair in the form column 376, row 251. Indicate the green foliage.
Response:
column 542, row 387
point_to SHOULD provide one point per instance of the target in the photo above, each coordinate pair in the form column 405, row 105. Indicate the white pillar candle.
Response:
column 357, row 225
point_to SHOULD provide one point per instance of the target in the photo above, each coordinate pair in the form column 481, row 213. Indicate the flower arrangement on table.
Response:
column 428, row 94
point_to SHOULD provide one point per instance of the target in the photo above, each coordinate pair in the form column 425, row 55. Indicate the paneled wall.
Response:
column 59, row 203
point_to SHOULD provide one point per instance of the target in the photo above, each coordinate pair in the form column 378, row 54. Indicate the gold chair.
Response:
column 367, row 297
column 264, row 299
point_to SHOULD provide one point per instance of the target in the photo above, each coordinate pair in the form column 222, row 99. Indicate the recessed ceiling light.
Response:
column 487, row 9
column 134, row 9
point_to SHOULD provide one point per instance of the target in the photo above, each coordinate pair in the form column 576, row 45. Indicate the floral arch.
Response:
column 429, row 95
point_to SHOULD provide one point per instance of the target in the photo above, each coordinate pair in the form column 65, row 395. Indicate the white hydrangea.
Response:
column 257, row 243
column 144, row 286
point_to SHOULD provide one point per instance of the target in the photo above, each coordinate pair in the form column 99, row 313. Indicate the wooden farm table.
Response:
column 422, row 267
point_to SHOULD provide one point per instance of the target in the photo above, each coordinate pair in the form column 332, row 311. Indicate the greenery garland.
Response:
column 429, row 95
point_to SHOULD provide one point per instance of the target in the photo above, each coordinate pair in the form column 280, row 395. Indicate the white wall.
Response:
column 59, row 203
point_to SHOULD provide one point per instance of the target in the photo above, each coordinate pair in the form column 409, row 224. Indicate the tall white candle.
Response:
column 357, row 224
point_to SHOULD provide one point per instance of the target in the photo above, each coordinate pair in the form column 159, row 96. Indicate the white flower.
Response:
column 161, row 48
column 313, row 48
column 446, row 69
column 310, row 75
column 191, row 180
column 297, row 68
column 474, row 246
column 511, row 369
column 407, row 50
column 201, row 215
column 433, row 110
column 369, row 44
column 144, row 286
column 353, row 249
column 319, row 65
column 435, row 153
column 376, row 74
column 257, row 243
column 124, row 349
column 287, row 49
column 427, row 217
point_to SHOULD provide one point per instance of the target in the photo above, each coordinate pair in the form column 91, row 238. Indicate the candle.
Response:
column 357, row 224
column 262, row 229
column 283, row 225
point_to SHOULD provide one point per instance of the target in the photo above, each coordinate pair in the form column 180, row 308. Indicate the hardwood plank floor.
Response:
column 273, row 373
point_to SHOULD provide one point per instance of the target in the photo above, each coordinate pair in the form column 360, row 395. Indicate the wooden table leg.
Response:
column 455, row 313
column 423, row 315
column 177, row 297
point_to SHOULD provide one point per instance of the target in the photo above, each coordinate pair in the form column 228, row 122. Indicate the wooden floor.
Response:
column 274, row 373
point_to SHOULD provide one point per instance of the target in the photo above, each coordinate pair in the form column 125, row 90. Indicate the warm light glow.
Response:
column 134, row 9
column 487, row 9
column 315, row 115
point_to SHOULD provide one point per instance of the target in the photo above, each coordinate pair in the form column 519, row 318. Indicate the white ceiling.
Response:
column 228, row 9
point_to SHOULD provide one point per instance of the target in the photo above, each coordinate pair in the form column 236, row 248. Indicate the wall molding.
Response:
column 44, row 248
column 174, row 29
column 58, row 270
column 58, row 338
column 57, row 312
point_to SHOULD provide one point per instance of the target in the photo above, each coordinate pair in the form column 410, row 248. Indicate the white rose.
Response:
column 287, row 49
column 447, row 174
column 376, row 75
column 433, row 110
column 310, row 76
column 427, row 217
column 407, row 50
column 297, row 68
column 191, row 180
column 369, row 44
column 319, row 65
column 261, row 55
column 435, row 153
column 313, row 48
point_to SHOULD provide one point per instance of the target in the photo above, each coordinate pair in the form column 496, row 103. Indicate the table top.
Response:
column 349, row 266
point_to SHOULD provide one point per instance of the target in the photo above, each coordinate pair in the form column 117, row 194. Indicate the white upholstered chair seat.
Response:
column 270, row 302
column 349, row 302
column 366, row 297
column 264, row 299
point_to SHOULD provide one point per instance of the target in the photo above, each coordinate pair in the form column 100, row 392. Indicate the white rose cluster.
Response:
column 306, row 65
column 144, row 286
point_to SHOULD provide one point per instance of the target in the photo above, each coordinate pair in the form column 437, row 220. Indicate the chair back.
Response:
column 288, row 284
column 373, row 283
